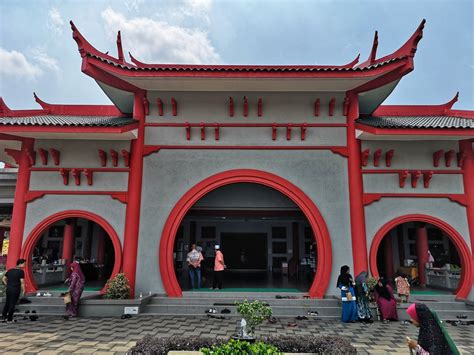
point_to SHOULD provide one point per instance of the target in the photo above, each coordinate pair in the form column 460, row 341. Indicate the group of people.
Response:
column 195, row 259
column 433, row 337
column 14, row 280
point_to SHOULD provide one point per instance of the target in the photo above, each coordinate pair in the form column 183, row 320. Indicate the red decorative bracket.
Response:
column 448, row 157
column 65, row 174
column 203, row 131
column 103, row 157
column 415, row 175
column 159, row 102
column 126, row 157
column 427, row 175
column 174, row 106
column 365, row 157
column 345, row 106
column 260, row 107
column 303, row 131
column 332, row 104
column 56, row 155
column 231, row 107
column 246, row 106
column 43, row 155
column 288, row 131
column 15, row 154
column 461, row 157
column 216, row 131
column 146, row 105
column 188, row 131
column 76, row 174
column 274, row 131
column 114, row 155
column 316, row 107
column 389, row 157
column 377, row 155
column 89, row 175
column 437, row 157
column 31, row 155
column 402, row 176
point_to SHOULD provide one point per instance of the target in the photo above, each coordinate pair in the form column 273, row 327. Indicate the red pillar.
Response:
column 389, row 268
column 69, row 241
column 19, row 205
column 359, row 243
column 100, row 257
column 132, row 217
column 422, row 252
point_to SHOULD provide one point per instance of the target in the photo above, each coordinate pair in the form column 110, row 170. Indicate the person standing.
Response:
column 76, row 286
column 362, row 292
column 433, row 337
column 194, row 259
column 14, row 279
column 345, row 282
column 386, row 301
column 219, row 267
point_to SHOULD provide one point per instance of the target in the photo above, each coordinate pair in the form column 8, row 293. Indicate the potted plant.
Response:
column 253, row 314
column 371, row 283
column 118, row 288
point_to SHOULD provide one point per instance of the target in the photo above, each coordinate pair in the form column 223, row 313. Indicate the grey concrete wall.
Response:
column 111, row 210
column 214, row 107
column 168, row 175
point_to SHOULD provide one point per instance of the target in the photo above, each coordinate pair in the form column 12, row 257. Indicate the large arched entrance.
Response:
column 297, row 196
column 404, row 246
column 67, row 236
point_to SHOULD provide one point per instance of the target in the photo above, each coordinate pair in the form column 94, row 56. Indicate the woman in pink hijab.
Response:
column 76, row 286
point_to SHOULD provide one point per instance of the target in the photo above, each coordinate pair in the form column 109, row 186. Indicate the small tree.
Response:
column 118, row 288
column 371, row 282
column 254, row 313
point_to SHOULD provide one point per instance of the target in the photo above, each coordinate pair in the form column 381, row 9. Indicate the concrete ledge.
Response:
column 96, row 306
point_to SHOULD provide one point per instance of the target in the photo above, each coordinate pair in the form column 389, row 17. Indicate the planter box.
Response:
column 96, row 306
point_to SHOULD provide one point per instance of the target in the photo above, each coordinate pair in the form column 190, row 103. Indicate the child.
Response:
column 403, row 287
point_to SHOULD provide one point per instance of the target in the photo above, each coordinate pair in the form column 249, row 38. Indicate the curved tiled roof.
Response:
column 417, row 122
column 67, row 121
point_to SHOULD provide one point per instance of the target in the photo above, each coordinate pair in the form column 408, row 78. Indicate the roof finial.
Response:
column 450, row 103
column 119, row 48
column 4, row 109
column 373, row 52
column 44, row 105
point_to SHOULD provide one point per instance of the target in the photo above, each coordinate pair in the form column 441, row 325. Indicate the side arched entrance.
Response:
column 309, row 209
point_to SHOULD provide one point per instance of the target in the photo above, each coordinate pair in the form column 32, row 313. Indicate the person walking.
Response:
column 433, row 338
column 386, row 301
column 362, row 292
column 14, row 279
column 76, row 286
column 219, row 267
column 194, row 259
column 345, row 282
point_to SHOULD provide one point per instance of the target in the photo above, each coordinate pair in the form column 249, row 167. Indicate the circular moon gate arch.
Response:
column 315, row 219
column 458, row 241
column 35, row 234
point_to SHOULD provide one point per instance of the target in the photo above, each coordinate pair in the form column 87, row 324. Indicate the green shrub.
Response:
column 254, row 313
column 118, row 288
column 241, row 347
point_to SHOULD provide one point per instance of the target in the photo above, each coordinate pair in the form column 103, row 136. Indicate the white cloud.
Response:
column 133, row 4
column 190, row 9
column 30, row 66
column 160, row 42
column 55, row 21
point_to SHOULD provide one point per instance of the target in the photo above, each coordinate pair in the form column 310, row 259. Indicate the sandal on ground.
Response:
column 292, row 324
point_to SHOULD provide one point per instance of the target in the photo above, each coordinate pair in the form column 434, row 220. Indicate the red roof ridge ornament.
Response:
column 119, row 48
column 5, row 111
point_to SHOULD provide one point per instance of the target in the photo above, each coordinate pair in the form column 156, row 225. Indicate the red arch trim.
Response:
column 323, row 240
column 36, row 233
column 463, row 249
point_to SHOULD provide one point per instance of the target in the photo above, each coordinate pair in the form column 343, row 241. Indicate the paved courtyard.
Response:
column 117, row 336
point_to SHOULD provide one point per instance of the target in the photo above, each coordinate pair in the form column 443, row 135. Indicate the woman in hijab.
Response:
column 349, row 307
column 386, row 301
column 433, row 339
column 76, row 286
column 362, row 292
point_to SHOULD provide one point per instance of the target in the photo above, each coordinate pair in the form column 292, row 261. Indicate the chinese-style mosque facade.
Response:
column 288, row 168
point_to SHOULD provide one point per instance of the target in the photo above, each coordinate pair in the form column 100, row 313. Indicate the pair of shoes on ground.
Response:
column 301, row 318
column 313, row 313
column 211, row 311
column 214, row 316
column 292, row 324
column 125, row 316
column 32, row 316
column 272, row 320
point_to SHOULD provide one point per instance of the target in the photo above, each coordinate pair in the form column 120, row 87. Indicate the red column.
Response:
column 19, row 204
column 69, row 241
column 100, row 246
column 359, row 243
column 132, row 217
column 422, row 252
column 389, row 269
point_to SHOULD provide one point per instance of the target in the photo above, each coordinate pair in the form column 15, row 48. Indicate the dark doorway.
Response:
column 245, row 251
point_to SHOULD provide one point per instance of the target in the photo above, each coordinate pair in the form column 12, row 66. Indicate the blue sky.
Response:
column 37, row 52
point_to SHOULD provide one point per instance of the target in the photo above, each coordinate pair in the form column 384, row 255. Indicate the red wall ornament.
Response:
column 427, row 175
column 377, row 155
column 65, row 174
column 56, row 155
column 114, row 155
column 203, row 131
column 76, row 174
column 246, row 106
column 126, row 157
column 43, row 153
column 402, row 176
column 89, row 175
column 448, row 157
column 174, row 106
column 303, row 131
column 461, row 156
column 415, row 175
column 274, row 131
column 231, row 106
column 146, row 105
column 31, row 155
column 188, row 131
column 159, row 102
column 103, row 157
column 332, row 105
column 216, row 131
column 365, row 157
column 260, row 107
column 317, row 104
column 437, row 157
column 288, row 131
column 345, row 106
column 388, row 157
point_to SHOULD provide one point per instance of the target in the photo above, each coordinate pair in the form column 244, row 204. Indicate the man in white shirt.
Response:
column 194, row 259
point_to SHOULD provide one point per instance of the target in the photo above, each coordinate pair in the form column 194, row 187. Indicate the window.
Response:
column 279, row 232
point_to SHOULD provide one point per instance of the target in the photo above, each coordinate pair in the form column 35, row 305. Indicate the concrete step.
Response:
column 42, row 309
column 237, row 294
column 231, row 301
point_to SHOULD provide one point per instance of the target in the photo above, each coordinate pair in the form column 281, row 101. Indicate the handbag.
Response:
column 67, row 298
column 349, row 296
